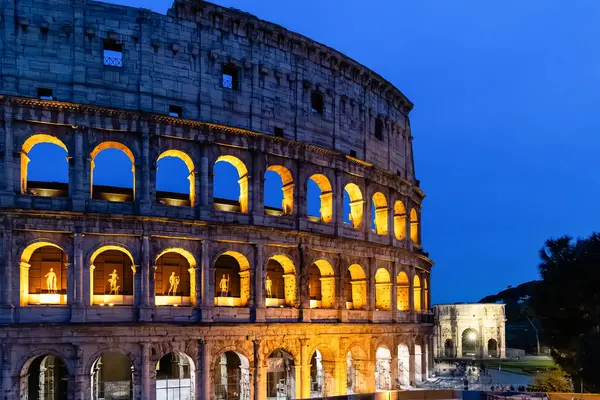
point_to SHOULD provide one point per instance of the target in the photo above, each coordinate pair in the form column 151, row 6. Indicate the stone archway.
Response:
column 403, row 365
column 449, row 348
column 380, row 214
column 492, row 347
column 281, row 376
column 43, row 277
column 48, row 152
column 177, row 198
column 232, row 280
column 44, row 377
column 232, row 376
column 325, row 213
column 241, row 203
column 112, row 377
column 286, row 183
column 383, row 369
column 354, row 203
column 470, row 343
column 175, row 374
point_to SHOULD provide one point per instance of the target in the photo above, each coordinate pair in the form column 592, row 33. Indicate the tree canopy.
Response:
column 567, row 303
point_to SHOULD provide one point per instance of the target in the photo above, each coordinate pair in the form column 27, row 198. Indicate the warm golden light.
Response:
column 242, row 181
column 381, row 213
column 326, row 197
column 190, row 166
column 287, row 204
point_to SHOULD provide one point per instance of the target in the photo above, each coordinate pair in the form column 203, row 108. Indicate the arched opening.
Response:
column 317, row 375
column 383, row 286
column 425, row 294
column 281, row 373
column 232, row 280
column 44, row 167
column 493, row 348
column 43, row 275
column 280, row 282
column 470, row 342
column 44, row 378
column 321, row 285
column 418, row 364
column 227, row 195
column 112, row 272
column 403, row 365
column 449, row 348
column 399, row 220
column 358, row 365
column 383, row 369
column 175, row 278
column 112, row 377
column 112, row 175
column 175, row 179
column 356, row 288
column 175, row 377
column 417, row 292
column 353, row 204
column 380, row 214
column 320, row 198
column 414, row 226
column 279, row 191
column 232, row 377
column 403, row 292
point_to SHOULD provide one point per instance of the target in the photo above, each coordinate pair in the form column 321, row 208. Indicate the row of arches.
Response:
column 113, row 374
column 113, row 271
column 45, row 172
column 471, row 346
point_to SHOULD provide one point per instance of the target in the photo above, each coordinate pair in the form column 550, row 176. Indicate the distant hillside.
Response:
column 519, row 333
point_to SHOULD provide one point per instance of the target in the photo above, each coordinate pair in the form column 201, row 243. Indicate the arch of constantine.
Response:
column 319, row 287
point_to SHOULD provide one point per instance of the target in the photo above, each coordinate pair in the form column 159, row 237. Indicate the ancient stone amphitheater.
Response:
column 109, row 292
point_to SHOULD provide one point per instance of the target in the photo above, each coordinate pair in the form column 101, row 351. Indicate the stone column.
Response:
column 6, row 269
column 394, row 364
column 145, row 202
column 368, row 211
column 394, row 300
column 340, row 376
column 5, row 372
column 256, row 192
column 81, row 380
column 304, row 283
column 207, row 290
column 424, row 357
column 371, row 289
column 205, row 391
column 147, row 384
column 304, row 369
column 145, row 303
column 77, row 190
column 411, row 362
column 260, row 373
column 338, row 201
column 369, row 375
column 77, row 269
column 205, row 186
column 329, row 378
column 7, row 193
column 411, row 292
column 200, row 371
column 259, row 282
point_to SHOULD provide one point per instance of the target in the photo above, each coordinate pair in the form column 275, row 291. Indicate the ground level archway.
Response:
column 44, row 377
column 112, row 377
column 232, row 377
column 281, row 376
column 175, row 374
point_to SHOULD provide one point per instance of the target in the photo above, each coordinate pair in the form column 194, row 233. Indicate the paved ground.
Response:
column 492, row 378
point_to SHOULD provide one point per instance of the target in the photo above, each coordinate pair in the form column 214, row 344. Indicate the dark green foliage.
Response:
column 567, row 303
column 551, row 381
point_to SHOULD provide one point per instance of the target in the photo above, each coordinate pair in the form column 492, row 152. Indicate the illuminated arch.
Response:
column 417, row 292
column 231, row 372
column 357, row 288
column 287, row 181
column 111, row 373
column 111, row 145
column 414, row 226
column 383, row 286
column 32, row 292
column 399, row 220
column 192, row 277
column 383, row 368
column 46, row 375
column 243, row 282
column 284, row 373
column 179, row 370
column 289, row 278
column 403, row 292
column 326, row 197
column 26, row 148
column 356, row 201
column 190, row 166
column 324, row 279
column 98, row 298
column 242, row 181
column 381, row 213
column 470, row 341
column 357, row 362
column 426, row 294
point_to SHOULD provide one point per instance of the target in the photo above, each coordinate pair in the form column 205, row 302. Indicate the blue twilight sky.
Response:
column 505, row 121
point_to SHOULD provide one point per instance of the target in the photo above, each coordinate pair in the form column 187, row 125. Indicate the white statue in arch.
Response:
column 173, row 284
column 112, row 281
column 224, row 285
column 269, row 287
column 51, row 281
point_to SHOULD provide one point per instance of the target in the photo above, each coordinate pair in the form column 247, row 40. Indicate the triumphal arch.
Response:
column 469, row 331
column 285, row 263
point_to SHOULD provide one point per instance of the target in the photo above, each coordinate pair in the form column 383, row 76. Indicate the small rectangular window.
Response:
column 277, row 131
column 379, row 129
column 113, row 53
column 353, row 153
column 175, row 111
column 317, row 103
column 45, row 94
column 230, row 77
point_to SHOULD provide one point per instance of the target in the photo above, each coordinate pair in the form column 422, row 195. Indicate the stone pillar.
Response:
column 411, row 362
column 5, row 372
column 260, row 373
column 259, row 282
column 338, row 202
column 394, row 300
column 256, row 192
column 145, row 202
column 304, row 369
column 371, row 289
column 6, row 270
column 411, row 292
column 329, row 378
column 394, row 365
column 340, row 376
column 424, row 358
column 81, row 380
column 205, row 392
column 300, row 193
column 304, row 284
column 77, row 190
column 205, row 186
column 77, row 268
column 7, row 193
column 145, row 303
column 200, row 371
column 148, row 385
column 207, row 290
column 368, row 211
column 369, row 375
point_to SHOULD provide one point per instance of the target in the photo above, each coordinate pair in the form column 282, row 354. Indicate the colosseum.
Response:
column 110, row 292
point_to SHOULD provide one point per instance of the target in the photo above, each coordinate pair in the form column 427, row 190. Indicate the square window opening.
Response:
column 229, row 78
column 45, row 94
column 113, row 53
column 317, row 103
column 353, row 153
column 175, row 111
column 278, row 131
column 379, row 129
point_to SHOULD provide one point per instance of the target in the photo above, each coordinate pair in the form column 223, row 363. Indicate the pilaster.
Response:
column 260, row 373
column 259, row 282
column 77, row 187
column 145, row 202
column 207, row 289
column 145, row 302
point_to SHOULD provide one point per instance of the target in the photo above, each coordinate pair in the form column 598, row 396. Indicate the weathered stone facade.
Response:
column 205, row 84
column 469, row 331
